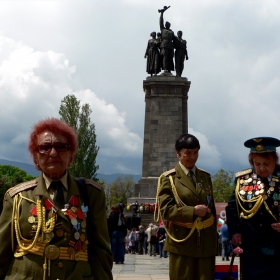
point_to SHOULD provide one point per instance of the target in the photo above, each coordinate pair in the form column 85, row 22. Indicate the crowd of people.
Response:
column 138, row 240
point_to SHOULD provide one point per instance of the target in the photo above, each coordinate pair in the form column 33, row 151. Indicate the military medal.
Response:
column 59, row 232
column 77, row 235
column 74, row 201
column 83, row 223
column 74, row 221
column 82, row 237
column 80, row 214
column 71, row 214
column 52, row 252
column 33, row 211
column 31, row 219
column 84, row 209
column 78, row 246
column 49, row 204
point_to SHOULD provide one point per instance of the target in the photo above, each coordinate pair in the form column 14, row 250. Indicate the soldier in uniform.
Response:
column 253, row 212
column 181, row 53
column 185, row 199
column 166, row 46
column 54, row 227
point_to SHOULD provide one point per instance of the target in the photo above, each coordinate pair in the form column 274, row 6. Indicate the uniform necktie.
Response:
column 190, row 175
column 58, row 194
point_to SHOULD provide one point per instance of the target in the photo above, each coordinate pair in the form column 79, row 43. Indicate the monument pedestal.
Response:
column 166, row 118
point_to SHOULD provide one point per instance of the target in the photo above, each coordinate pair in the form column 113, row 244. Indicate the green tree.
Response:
column 78, row 117
column 120, row 190
column 11, row 176
column 223, row 182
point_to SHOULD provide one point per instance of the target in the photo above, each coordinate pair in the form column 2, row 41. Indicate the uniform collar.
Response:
column 186, row 170
column 63, row 180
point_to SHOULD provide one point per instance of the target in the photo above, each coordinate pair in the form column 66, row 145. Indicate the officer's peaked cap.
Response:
column 262, row 144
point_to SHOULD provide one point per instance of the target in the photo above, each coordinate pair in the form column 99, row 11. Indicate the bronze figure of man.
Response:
column 166, row 46
column 181, row 53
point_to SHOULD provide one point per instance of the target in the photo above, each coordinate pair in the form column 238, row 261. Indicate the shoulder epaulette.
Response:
column 93, row 183
column 23, row 187
column 169, row 172
column 243, row 172
column 203, row 170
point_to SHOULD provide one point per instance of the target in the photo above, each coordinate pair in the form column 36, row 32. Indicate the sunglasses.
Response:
column 59, row 147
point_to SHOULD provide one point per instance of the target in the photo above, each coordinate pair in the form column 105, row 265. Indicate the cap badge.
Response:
column 259, row 148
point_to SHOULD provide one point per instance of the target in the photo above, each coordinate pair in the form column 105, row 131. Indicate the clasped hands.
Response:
column 201, row 210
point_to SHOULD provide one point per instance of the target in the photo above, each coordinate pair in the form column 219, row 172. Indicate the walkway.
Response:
column 145, row 267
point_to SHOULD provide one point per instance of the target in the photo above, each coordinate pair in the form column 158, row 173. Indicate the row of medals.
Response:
column 77, row 218
column 252, row 186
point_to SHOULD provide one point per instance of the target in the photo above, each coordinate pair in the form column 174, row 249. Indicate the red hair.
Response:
column 57, row 127
column 265, row 155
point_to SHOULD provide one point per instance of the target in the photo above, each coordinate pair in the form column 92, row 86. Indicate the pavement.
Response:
column 145, row 267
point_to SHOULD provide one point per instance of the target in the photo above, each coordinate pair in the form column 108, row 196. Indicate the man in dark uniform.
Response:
column 55, row 226
column 185, row 198
column 253, row 212
column 166, row 46
column 181, row 53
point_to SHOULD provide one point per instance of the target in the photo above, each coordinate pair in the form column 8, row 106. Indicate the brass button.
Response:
column 60, row 265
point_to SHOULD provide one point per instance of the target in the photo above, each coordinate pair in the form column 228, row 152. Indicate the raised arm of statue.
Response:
column 161, row 25
column 164, row 9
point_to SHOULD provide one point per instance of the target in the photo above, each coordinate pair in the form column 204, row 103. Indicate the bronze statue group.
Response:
column 160, row 50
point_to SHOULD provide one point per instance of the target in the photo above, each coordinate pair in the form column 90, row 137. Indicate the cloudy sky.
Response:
column 95, row 50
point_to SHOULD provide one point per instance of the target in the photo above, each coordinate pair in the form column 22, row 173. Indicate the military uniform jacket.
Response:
column 191, row 196
column 30, row 266
column 257, row 233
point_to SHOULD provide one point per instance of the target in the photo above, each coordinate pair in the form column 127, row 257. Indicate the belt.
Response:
column 51, row 252
column 199, row 224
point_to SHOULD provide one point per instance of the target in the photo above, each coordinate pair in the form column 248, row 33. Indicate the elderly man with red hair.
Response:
column 54, row 227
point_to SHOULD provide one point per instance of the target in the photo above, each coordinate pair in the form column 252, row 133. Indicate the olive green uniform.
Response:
column 193, row 258
column 30, row 266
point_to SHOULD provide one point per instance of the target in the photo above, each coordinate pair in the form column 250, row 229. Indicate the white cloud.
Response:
column 33, row 83
column 209, row 155
column 113, row 136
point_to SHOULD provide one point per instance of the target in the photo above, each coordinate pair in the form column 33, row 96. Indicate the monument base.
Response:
column 146, row 187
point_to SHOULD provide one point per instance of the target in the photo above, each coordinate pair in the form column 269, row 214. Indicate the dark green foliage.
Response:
column 120, row 190
column 78, row 117
column 11, row 176
column 223, row 183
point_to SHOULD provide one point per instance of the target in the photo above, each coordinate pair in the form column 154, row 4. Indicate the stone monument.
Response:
column 166, row 118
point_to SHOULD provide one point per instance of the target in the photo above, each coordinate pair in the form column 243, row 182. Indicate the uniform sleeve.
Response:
column 6, row 253
column 100, row 254
column 168, row 207
column 232, row 215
